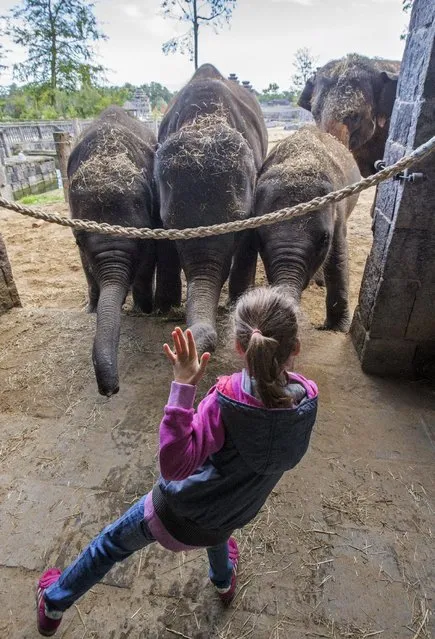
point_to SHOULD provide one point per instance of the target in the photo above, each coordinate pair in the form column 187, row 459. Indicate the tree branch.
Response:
column 215, row 15
column 187, row 15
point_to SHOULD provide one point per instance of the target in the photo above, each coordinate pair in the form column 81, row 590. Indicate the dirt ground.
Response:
column 344, row 547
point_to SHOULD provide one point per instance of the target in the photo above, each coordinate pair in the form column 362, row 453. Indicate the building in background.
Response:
column 139, row 106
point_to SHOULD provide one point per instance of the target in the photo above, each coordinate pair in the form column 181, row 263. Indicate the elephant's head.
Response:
column 206, row 175
column 352, row 98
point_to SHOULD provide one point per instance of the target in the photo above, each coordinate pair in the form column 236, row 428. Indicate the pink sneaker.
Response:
column 227, row 594
column 47, row 625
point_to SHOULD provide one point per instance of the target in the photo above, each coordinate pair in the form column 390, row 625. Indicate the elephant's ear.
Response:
column 307, row 93
column 387, row 97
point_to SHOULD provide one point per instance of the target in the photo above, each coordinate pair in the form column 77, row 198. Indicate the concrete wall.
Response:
column 29, row 176
column 8, row 291
column 278, row 114
column 394, row 325
column 30, row 136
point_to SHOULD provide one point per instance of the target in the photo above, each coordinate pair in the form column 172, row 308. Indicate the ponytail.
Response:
column 263, row 366
column 265, row 325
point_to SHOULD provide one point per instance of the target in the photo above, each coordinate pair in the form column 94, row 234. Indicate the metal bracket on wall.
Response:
column 403, row 176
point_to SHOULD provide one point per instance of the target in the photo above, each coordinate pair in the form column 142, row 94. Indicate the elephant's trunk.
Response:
column 289, row 281
column 105, row 351
column 206, row 264
column 289, row 271
column 202, row 302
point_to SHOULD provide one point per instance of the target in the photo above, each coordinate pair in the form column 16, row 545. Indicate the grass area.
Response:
column 50, row 197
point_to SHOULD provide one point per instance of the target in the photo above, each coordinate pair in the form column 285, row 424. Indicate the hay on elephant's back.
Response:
column 208, row 144
column 110, row 167
column 308, row 157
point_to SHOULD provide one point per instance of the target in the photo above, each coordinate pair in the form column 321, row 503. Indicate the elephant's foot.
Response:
column 165, row 301
column 319, row 279
column 142, row 300
column 205, row 337
column 230, row 303
column 142, row 306
column 235, row 293
column 338, row 324
column 139, row 310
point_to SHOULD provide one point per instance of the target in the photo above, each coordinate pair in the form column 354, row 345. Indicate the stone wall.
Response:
column 394, row 325
column 29, row 176
column 278, row 114
column 8, row 291
column 31, row 136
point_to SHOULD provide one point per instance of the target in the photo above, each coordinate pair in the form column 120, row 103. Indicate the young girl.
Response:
column 218, row 465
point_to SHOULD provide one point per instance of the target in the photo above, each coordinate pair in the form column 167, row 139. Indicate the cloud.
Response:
column 160, row 27
column 132, row 11
column 153, row 23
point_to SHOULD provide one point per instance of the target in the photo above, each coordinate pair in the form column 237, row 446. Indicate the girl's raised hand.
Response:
column 187, row 368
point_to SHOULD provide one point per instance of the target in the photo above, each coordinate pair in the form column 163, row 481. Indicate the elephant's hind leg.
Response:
column 319, row 277
column 336, row 270
column 244, row 266
column 144, row 279
column 168, row 277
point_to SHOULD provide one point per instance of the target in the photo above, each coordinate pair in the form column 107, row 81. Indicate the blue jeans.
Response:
column 115, row 543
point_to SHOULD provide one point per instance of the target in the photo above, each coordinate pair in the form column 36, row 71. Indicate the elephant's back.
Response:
column 311, row 152
column 204, row 96
column 110, row 172
column 108, row 154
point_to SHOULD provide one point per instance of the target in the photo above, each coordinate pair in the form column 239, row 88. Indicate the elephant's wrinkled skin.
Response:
column 212, row 143
column 353, row 99
column 110, row 171
column 308, row 164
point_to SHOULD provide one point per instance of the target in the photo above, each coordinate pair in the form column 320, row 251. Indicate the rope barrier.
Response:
column 228, row 227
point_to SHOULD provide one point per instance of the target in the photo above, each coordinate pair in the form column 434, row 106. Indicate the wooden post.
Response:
column 6, row 151
column 62, row 143
column 76, row 128
column 8, row 291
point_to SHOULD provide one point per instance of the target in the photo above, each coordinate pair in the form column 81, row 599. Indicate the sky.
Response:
column 259, row 45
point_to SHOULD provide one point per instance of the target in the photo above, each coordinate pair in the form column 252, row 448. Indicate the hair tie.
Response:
column 256, row 331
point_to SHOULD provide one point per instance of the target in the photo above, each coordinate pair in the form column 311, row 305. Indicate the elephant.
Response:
column 110, row 172
column 353, row 98
column 310, row 163
column 212, row 142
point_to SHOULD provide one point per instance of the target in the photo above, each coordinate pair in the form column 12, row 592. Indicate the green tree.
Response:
column 58, row 37
column 273, row 92
column 33, row 101
column 2, row 57
column 213, row 13
column 3, row 51
column 157, row 94
column 305, row 65
column 273, row 88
